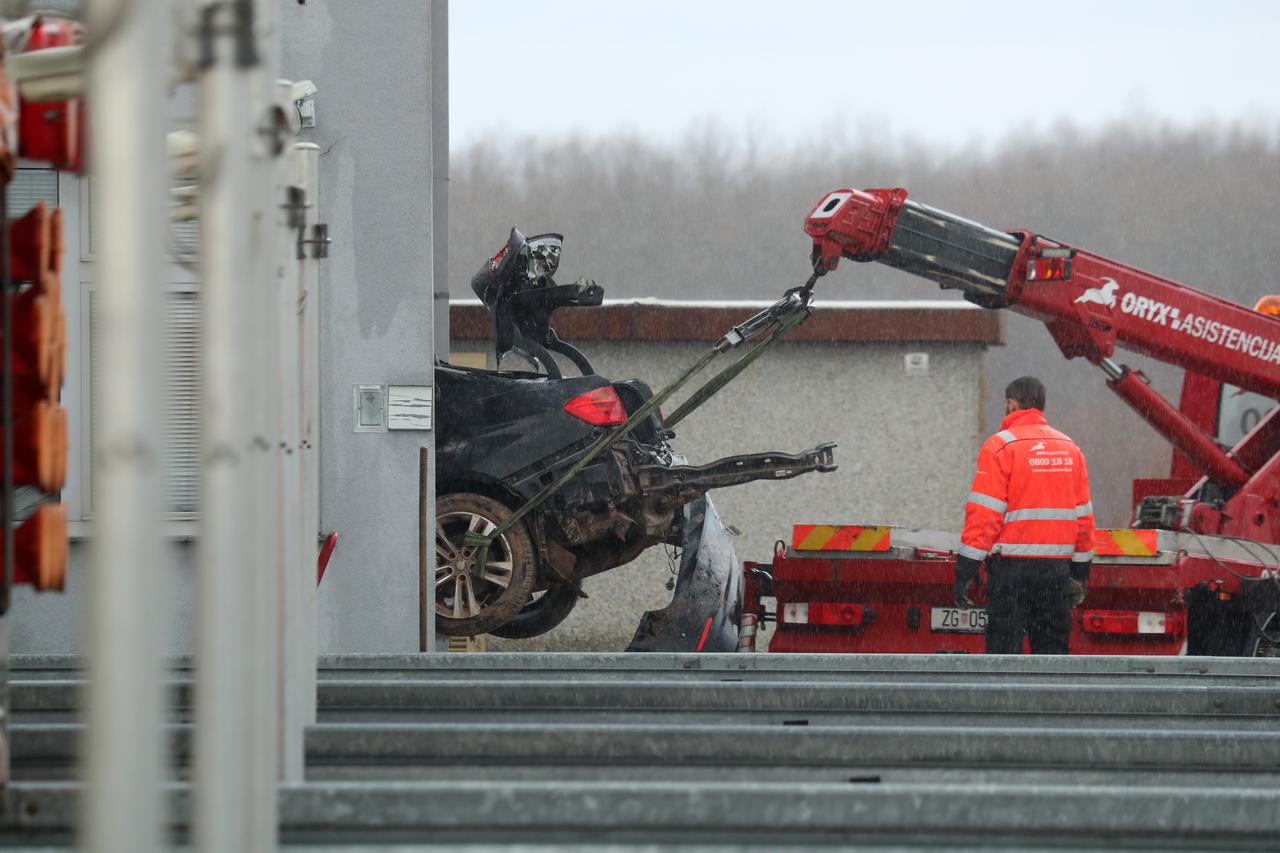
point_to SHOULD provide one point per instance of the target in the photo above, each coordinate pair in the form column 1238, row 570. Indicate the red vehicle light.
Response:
column 601, row 407
column 1049, row 269
column 1269, row 305
column 1132, row 622
column 496, row 260
column 823, row 613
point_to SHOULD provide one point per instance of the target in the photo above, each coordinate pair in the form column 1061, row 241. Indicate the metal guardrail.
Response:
column 632, row 814
column 904, row 696
column 24, row 666
column 752, row 749
column 732, row 745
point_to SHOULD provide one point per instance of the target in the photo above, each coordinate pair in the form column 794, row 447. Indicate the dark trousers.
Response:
column 1027, row 597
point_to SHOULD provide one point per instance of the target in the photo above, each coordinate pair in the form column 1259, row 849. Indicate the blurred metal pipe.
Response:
column 260, row 339
column 234, row 558
column 292, row 622
column 128, row 600
column 307, row 163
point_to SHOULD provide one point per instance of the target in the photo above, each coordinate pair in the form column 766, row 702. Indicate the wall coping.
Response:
column 835, row 321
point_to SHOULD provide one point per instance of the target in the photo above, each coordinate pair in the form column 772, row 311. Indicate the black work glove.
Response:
column 1075, row 593
column 966, row 573
column 1076, row 585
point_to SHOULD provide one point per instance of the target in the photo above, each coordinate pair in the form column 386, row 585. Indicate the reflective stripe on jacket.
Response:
column 1030, row 495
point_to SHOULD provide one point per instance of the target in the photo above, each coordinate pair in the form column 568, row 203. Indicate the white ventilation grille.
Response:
column 28, row 187
column 181, row 398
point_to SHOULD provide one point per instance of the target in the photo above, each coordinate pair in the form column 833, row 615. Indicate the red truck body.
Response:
column 899, row 600
column 1199, row 571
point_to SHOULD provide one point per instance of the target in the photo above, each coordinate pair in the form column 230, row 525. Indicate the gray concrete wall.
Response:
column 907, row 448
column 52, row 622
column 372, row 64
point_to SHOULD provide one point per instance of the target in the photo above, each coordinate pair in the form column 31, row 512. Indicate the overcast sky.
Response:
column 944, row 73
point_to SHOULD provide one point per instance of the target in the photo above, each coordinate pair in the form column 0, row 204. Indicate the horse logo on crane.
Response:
column 1104, row 296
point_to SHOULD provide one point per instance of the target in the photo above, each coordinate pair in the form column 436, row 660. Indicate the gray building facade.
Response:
column 381, row 124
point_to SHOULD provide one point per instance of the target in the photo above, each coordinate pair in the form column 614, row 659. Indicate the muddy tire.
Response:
column 467, row 606
column 541, row 613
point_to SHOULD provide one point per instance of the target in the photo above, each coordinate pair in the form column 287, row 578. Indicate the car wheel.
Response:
column 542, row 613
column 1264, row 637
column 466, row 605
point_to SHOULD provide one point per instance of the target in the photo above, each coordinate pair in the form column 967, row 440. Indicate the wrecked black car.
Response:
column 504, row 436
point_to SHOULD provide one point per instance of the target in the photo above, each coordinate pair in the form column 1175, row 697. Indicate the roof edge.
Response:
column 935, row 321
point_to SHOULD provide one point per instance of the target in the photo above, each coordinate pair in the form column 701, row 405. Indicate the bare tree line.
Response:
column 715, row 218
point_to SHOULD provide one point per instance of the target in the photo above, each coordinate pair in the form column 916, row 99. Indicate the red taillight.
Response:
column 497, row 259
column 823, row 613
column 1132, row 622
column 600, row 407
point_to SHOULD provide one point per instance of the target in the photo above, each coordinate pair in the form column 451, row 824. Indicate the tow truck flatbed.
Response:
column 894, row 595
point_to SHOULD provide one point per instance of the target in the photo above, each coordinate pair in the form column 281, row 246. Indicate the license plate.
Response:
column 958, row 620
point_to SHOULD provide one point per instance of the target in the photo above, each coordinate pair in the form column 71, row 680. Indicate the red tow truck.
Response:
column 1198, row 570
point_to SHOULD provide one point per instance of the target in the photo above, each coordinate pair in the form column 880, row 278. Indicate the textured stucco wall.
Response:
column 374, row 130
column 52, row 622
column 907, row 446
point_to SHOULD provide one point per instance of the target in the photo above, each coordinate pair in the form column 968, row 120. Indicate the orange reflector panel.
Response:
column 1125, row 543
column 40, row 447
column 40, row 549
column 849, row 537
column 34, row 326
column 31, row 244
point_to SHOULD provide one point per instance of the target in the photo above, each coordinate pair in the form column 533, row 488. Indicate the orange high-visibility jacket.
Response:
column 1030, row 496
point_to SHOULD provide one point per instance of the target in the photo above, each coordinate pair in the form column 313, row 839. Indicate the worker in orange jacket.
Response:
column 1030, row 518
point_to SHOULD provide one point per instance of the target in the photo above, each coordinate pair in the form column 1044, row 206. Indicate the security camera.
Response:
column 303, row 95
column 302, row 89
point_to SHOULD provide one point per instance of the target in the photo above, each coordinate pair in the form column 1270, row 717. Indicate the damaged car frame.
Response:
column 544, row 479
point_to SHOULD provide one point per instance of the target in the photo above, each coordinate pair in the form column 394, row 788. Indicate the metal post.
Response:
column 292, row 621
column 426, row 587
column 307, row 163
column 125, row 702
column 440, row 180
column 439, row 246
column 261, row 341
column 235, row 754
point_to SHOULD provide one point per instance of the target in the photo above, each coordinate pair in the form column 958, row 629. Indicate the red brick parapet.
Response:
column 833, row 322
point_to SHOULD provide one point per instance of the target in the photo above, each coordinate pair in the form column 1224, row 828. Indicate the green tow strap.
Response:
column 724, row 377
column 482, row 541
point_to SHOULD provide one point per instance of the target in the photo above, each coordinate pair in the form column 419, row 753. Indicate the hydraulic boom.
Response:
column 1091, row 306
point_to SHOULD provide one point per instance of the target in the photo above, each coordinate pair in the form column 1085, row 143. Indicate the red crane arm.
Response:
column 1091, row 304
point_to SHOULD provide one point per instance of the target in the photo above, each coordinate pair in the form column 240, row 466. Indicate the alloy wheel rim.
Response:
column 460, row 595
